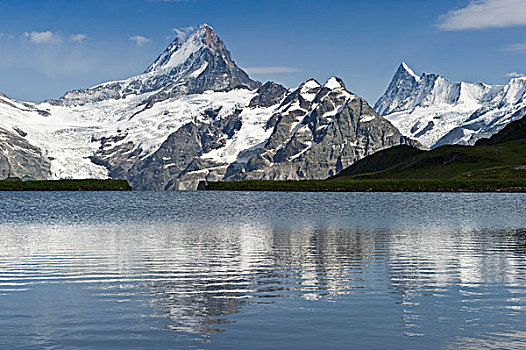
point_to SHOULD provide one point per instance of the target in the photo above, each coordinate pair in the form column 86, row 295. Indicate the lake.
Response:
column 223, row 270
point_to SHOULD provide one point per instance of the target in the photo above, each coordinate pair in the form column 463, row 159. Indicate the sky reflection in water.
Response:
column 220, row 270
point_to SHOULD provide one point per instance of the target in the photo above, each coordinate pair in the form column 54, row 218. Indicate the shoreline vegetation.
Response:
column 373, row 185
column 65, row 185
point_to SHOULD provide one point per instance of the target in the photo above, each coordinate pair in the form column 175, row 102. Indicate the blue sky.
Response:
column 50, row 46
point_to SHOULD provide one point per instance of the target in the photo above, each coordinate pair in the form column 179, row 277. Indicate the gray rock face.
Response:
column 18, row 158
column 179, row 155
column 268, row 95
column 117, row 157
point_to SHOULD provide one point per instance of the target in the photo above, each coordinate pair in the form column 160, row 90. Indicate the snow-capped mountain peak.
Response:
column 309, row 89
column 407, row 69
column 334, row 83
column 402, row 85
column 437, row 111
column 309, row 85
column 199, row 63
column 182, row 49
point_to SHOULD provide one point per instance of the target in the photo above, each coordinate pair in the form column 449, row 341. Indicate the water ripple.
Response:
column 230, row 275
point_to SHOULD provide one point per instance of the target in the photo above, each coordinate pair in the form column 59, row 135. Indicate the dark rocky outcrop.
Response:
column 268, row 95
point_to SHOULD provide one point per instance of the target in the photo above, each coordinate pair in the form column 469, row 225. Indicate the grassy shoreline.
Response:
column 66, row 185
column 373, row 185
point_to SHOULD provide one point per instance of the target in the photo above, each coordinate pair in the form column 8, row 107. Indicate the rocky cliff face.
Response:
column 436, row 111
column 21, row 159
column 194, row 115
column 317, row 131
column 312, row 133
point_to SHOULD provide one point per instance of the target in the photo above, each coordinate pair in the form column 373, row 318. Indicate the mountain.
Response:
column 500, row 157
column 436, row 111
column 314, row 132
column 514, row 131
column 192, row 66
column 18, row 157
column 193, row 115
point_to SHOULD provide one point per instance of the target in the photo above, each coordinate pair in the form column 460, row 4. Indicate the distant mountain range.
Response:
column 195, row 115
column 498, row 158
column 436, row 111
column 192, row 115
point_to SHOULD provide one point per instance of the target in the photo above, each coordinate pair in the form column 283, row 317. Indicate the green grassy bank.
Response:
column 374, row 185
column 66, row 185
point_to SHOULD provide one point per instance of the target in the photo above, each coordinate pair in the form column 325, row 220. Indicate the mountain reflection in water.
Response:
column 451, row 286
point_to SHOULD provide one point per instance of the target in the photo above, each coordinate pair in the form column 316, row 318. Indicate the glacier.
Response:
column 436, row 111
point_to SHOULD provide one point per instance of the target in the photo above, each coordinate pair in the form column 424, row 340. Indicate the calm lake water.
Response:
column 218, row 270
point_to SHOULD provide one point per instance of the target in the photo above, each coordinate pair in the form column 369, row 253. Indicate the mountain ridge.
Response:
column 200, row 63
column 195, row 115
column 436, row 111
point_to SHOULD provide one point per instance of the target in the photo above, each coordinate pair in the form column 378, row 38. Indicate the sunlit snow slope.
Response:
column 436, row 111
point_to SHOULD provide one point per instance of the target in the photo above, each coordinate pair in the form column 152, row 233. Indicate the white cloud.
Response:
column 78, row 38
column 271, row 70
column 482, row 14
column 47, row 37
column 517, row 47
column 183, row 32
column 139, row 40
column 515, row 75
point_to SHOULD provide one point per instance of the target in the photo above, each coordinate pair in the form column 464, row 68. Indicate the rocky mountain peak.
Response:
column 188, row 46
column 400, row 88
column 193, row 63
column 268, row 94
column 334, row 83
column 311, row 91
column 211, row 39
column 405, row 69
